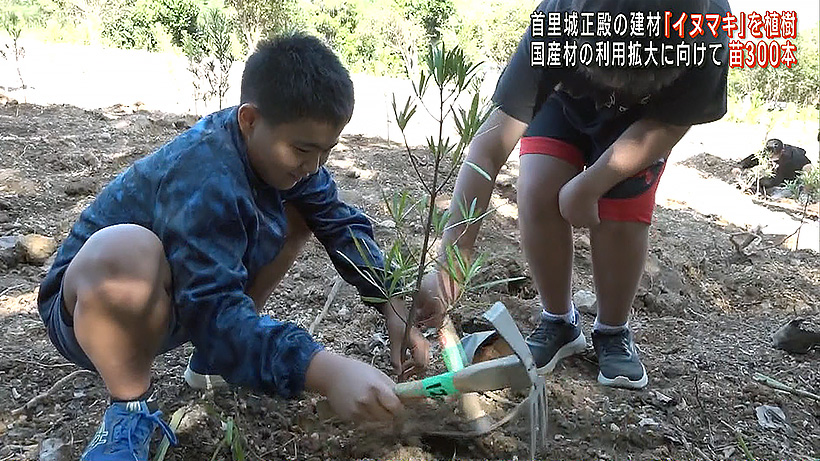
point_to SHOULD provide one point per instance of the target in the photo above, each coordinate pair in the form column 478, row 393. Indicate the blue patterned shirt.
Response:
column 219, row 225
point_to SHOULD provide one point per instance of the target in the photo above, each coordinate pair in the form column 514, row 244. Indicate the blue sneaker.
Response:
column 198, row 376
column 125, row 433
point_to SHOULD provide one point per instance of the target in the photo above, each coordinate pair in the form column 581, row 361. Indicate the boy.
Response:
column 188, row 243
column 595, row 140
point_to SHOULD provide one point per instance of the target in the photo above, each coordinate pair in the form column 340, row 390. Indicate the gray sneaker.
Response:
column 554, row 340
column 618, row 360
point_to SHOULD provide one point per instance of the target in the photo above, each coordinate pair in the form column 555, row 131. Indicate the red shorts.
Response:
column 631, row 200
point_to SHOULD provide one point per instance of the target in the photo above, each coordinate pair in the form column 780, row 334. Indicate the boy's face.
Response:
column 282, row 155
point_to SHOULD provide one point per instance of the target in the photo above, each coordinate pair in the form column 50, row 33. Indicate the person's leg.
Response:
column 117, row 309
column 619, row 247
column 546, row 165
column 618, row 255
column 117, row 293
column 269, row 277
column 545, row 236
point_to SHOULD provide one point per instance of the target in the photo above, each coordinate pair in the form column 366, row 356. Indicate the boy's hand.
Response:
column 395, row 313
column 438, row 290
column 579, row 205
column 355, row 390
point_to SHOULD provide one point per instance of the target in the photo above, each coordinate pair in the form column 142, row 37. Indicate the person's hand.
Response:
column 395, row 314
column 355, row 390
column 438, row 290
column 578, row 205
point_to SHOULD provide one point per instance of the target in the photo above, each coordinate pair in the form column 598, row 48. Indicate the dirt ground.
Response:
column 703, row 320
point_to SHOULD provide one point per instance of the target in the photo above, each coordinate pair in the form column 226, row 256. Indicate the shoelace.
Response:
column 617, row 346
column 139, row 426
column 545, row 330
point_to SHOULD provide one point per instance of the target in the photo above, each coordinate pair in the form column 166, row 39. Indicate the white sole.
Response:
column 577, row 346
column 204, row 382
column 623, row 381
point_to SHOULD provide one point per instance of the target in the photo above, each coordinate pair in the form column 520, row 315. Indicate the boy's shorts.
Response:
column 551, row 133
column 60, row 328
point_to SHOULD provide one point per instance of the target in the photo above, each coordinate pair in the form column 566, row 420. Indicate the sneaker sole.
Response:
column 204, row 382
column 623, row 381
column 576, row 346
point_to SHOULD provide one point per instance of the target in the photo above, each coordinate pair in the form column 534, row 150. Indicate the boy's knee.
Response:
column 537, row 200
column 121, row 267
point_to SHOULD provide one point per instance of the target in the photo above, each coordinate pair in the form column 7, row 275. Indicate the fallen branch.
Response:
column 330, row 297
column 59, row 384
column 775, row 384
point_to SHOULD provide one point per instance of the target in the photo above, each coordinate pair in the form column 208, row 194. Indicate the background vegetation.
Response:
column 379, row 37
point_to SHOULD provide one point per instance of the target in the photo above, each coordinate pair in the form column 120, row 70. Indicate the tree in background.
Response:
column 491, row 32
column 799, row 84
column 432, row 15
column 12, row 23
column 260, row 18
column 211, row 54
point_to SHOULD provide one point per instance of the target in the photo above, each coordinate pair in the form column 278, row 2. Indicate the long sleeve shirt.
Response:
column 219, row 225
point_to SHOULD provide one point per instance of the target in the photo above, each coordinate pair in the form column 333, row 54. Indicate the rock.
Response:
column 343, row 312
column 81, row 186
column 586, row 302
column 54, row 449
column 644, row 422
column 349, row 196
column 387, row 224
column 36, row 248
column 771, row 417
column 352, row 174
column 664, row 399
column 794, row 339
column 614, row 428
column 10, row 254
column 91, row 160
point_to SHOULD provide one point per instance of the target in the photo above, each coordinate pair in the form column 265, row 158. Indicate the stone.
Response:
column 54, row 449
column 10, row 254
column 586, row 302
column 81, row 186
column 36, row 248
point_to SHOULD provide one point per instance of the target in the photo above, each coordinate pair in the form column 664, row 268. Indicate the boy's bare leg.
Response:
column 117, row 290
column 272, row 274
column 545, row 236
column 618, row 257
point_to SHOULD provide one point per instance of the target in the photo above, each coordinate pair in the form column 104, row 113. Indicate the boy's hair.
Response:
column 637, row 82
column 296, row 76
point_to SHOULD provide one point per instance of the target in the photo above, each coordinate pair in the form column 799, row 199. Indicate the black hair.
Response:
column 296, row 76
column 774, row 145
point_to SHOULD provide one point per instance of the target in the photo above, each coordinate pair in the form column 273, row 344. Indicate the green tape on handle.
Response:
column 453, row 357
column 439, row 385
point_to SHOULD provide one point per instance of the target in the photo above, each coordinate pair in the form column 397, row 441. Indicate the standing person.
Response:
column 594, row 143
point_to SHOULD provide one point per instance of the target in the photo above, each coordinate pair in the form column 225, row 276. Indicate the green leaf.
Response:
column 176, row 419
column 237, row 447
column 479, row 170
column 374, row 300
column 229, row 429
